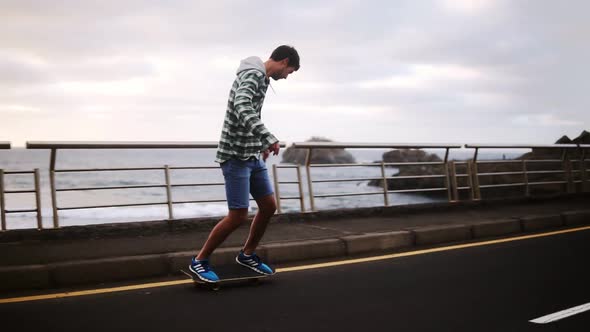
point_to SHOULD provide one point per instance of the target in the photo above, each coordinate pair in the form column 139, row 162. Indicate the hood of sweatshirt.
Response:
column 252, row 62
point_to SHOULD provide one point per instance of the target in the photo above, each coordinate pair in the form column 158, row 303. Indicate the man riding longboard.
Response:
column 244, row 146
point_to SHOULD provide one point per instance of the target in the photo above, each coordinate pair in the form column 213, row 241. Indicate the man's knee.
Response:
column 268, row 207
column 238, row 216
column 271, row 208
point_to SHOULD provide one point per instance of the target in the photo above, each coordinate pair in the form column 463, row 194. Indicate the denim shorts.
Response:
column 245, row 177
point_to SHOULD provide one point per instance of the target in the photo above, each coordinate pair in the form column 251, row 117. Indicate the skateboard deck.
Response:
column 227, row 273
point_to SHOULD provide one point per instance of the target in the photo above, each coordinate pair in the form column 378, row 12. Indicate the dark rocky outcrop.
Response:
column 540, row 153
column 584, row 138
column 318, row 156
column 412, row 155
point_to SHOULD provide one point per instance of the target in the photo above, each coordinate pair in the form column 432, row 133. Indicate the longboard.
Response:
column 227, row 273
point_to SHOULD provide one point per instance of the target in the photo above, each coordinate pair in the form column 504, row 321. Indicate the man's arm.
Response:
column 247, row 115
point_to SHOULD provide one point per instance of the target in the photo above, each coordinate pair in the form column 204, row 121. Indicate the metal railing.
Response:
column 566, row 169
column 3, row 146
column 36, row 191
column 457, row 176
column 168, row 185
column 4, row 191
column 383, row 178
column 277, row 183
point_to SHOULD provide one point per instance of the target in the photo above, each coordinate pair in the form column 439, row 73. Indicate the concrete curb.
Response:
column 303, row 250
column 441, row 234
column 537, row 223
column 576, row 218
column 142, row 266
column 360, row 244
column 25, row 277
column 496, row 228
column 109, row 269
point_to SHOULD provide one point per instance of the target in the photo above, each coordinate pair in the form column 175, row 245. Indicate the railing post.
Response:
column 300, row 185
column 309, row 181
column 476, row 190
column 527, row 188
column 453, row 175
column 53, row 189
column 469, row 171
column 2, row 206
column 38, row 198
column 277, row 192
column 569, row 176
column 447, row 180
column 385, row 188
column 567, row 167
column 169, row 193
column 584, row 175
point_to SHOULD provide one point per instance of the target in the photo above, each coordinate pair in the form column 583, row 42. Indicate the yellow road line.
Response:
column 291, row 269
column 94, row 291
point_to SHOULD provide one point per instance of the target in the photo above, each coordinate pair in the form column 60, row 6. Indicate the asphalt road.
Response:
column 498, row 287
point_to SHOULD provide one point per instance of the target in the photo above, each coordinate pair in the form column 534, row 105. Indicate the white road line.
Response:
column 561, row 314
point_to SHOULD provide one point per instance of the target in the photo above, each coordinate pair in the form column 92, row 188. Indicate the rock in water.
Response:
column 318, row 156
column 412, row 155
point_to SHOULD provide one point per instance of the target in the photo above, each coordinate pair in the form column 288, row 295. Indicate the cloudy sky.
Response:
column 431, row 71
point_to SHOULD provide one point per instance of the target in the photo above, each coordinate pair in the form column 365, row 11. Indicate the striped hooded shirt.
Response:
column 243, row 134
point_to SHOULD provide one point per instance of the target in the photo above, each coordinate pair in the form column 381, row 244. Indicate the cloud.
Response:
column 112, row 88
column 334, row 109
column 467, row 6
column 22, row 71
column 543, row 120
column 379, row 70
column 423, row 76
column 18, row 109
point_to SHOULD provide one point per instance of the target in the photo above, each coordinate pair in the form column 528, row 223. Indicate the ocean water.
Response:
column 24, row 160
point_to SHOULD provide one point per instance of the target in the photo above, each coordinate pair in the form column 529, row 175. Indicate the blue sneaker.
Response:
column 202, row 270
column 253, row 262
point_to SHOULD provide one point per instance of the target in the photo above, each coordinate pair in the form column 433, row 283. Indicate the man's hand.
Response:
column 273, row 148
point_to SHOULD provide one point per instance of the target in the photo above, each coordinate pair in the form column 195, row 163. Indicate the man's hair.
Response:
column 284, row 52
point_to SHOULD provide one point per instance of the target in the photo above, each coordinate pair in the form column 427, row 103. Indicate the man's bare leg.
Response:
column 222, row 230
column 266, row 209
